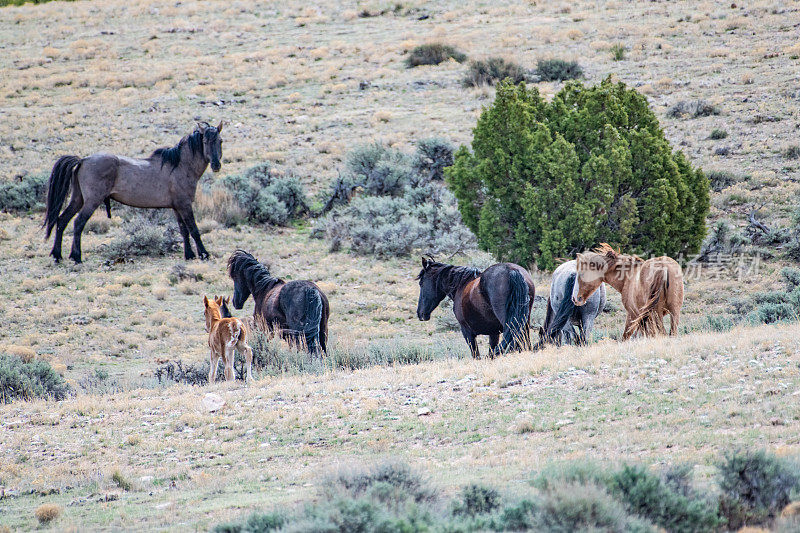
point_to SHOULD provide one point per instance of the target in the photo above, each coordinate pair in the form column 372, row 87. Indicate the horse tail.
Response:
column 564, row 311
column 58, row 188
column 313, row 314
column 649, row 321
column 517, row 310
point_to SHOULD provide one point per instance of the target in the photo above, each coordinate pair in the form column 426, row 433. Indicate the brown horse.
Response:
column 166, row 179
column 225, row 337
column 650, row 289
column 298, row 309
column 497, row 300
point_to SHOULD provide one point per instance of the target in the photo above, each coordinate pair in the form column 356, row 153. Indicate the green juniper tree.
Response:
column 549, row 179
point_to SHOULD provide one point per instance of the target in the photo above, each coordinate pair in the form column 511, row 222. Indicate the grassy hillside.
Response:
column 299, row 86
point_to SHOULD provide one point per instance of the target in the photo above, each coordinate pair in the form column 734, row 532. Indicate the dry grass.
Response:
column 47, row 512
column 290, row 88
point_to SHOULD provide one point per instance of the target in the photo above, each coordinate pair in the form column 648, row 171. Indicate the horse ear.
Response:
column 425, row 263
column 201, row 127
column 219, row 128
column 205, row 300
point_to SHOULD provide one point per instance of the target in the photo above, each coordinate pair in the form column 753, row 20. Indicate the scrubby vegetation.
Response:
column 692, row 109
column 753, row 488
column 26, row 193
column 148, row 233
column 558, row 70
column 548, row 179
column 492, row 70
column 256, row 196
column 273, row 357
column 27, row 380
column 389, row 203
column 618, row 52
column 433, row 54
column 718, row 134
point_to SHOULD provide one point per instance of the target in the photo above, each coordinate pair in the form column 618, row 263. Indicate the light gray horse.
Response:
column 166, row 179
column 563, row 316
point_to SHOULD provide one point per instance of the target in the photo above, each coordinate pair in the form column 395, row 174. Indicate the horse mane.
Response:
column 449, row 277
column 172, row 156
column 608, row 251
column 255, row 274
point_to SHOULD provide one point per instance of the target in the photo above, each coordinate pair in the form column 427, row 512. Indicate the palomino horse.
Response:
column 299, row 309
column 166, row 179
column 563, row 315
column 650, row 289
column 225, row 337
column 497, row 300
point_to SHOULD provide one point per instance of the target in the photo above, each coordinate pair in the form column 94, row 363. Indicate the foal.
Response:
column 225, row 336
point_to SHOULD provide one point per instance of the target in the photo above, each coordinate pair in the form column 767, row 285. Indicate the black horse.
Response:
column 493, row 302
column 299, row 309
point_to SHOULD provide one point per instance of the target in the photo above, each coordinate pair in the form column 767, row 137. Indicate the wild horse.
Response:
column 493, row 302
column 298, row 309
column 650, row 289
column 166, row 179
column 563, row 315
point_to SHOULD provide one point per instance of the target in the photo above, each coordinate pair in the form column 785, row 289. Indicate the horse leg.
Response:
column 228, row 359
column 248, row 356
column 188, row 253
column 628, row 331
column 471, row 342
column 75, row 204
column 83, row 217
column 212, row 373
column 188, row 218
column 494, row 340
column 674, row 319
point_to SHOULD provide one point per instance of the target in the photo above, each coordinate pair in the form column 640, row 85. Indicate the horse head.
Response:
column 211, row 312
column 212, row 144
column 591, row 269
column 431, row 292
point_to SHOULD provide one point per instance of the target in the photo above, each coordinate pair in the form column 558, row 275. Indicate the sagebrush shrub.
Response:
column 492, row 70
column 150, row 232
column 722, row 179
column 264, row 198
column 548, row 179
column 47, row 512
column 25, row 193
column 433, row 54
column 388, row 203
column 755, row 485
column 21, row 380
column 649, row 496
column 558, row 70
column 692, row 109
column 718, row 134
column 477, row 499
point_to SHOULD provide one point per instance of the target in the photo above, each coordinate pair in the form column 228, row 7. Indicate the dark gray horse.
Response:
column 563, row 316
column 166, row 179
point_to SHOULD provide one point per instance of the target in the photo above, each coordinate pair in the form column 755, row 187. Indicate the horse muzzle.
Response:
column 423, row 317
column 216, row 167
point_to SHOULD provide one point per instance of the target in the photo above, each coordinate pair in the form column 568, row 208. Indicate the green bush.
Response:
column 492, row 70
column 547, row 179
column 476, row 499
column 266, row 199
column 432, row 157
column 618, row 52
column 27, row 193
column 792, row 152
column 647, row 495
column 255, row 523
column 755, row 486
column 718, row 134
column 558, row 70
column 722, row 179
column 27, row 381
column 433, row 54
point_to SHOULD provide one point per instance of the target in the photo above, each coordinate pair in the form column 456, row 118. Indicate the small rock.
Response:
column 777, row 422
column 423, row 411
column 213, row 402
column 564, row 422
column 511, row 383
